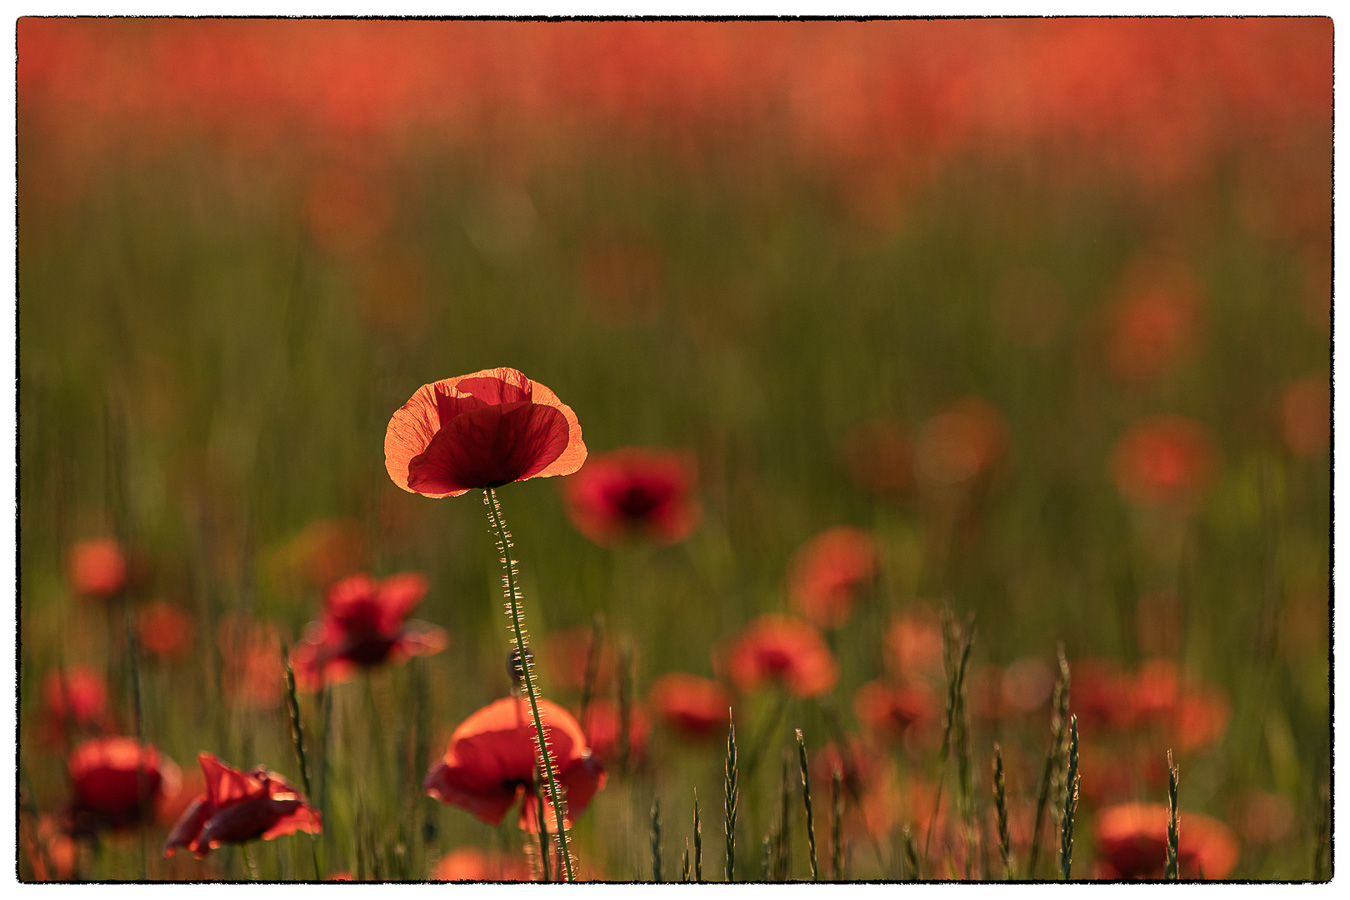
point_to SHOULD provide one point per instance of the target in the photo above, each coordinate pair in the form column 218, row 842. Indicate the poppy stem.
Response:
column 513, row 598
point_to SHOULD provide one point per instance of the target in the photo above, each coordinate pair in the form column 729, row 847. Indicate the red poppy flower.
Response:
column 480, row 431
column 694, row 706
column 1164, row 461
column 892, row 711
column 76, row 693
column 603, row 728
column 364, row 625
column 164, row 630
column 117, row 781
column 785, row 650
column 491, row 762
column 241, row 806
column 1132, row 841
column 634, row 492
column 827, row 573
column 468, row 864
column 98, row 568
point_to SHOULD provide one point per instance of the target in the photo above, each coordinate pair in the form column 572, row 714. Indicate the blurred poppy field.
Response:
column 955, row 399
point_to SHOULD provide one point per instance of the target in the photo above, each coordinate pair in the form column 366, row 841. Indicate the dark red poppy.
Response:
column 241, row 806
column 642, row 492
column 693, row 706
column 1132, row 842
column 365, row 624
column 469, row 864
column 164, row 631
column 603, row 727
column 98, row 568
column 117, row 781
column 787, row 651
column 1305, row 416
column 480, row 431
column 891, row 711
column 492, row 762
column 1164, row 461
column 829, row 571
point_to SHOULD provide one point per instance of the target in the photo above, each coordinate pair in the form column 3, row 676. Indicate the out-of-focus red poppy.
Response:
column 889, row 710
column 1188, row 715
column 693, row 706
column 323, row 552
column 164, row 631
column 603, row 729
column 1157, row 322
column 1165, row 461
column 116, row 782
column 250, row 653
column 827, row 573
column 1099, row 693
column 960, row 445
column 866, row 775
column 364, row 625
column 783, row 650
column 1305, row 416
column 565, row 653
column 914, row 646
column 240, row 806
column 491, row 763
column 98, row 568
column 642, row 492
column 1132, row 842
column 76, row 693
column 878, row 457
column 480, row 431
column 469, row 864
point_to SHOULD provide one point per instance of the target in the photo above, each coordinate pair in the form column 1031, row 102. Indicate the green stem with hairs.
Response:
column 503, row 537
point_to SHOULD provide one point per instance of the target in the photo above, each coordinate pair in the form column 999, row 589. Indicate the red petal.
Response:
column 225, row 785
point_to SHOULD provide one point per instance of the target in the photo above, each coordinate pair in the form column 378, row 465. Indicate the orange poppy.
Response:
column 117, row 781
column 492, row 762
column 1132, row 841
column 364, row 625
column 480, row 431
column 241, row 806
column 827, row 573
column 641, row 492
column 694, row 706
column 788, row 651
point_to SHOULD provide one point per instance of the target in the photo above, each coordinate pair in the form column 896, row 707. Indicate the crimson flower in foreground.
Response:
column 365, row 624
column 491, row 763
column 634, row 492
column 1132, row 842
column 694, row 706
column 241, row 806
column 117, row 781
column 788, row 651
column 481, row 431
column 828, row 572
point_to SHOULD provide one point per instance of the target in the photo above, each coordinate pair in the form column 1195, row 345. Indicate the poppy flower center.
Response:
column 638, row 500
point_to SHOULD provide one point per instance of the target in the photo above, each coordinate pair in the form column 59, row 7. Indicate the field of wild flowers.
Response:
column 913, row 438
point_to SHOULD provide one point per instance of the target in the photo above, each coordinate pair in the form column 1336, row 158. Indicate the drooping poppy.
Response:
column 693, row 706
column 240, row 806
column 164, row 631
column 1132, row 842
column 481, row 431
column 641, row 492
column 98, row 568
column 491, row 763
column 1165, row 461
column 116, row 782
column 783, row 650
column 829, row 571
column 364, row 625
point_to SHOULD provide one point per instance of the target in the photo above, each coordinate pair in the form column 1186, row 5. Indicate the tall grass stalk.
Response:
column 1070, row 802
column 1058, row 724
column 698, row 842
column 1001, row 807
column 730, row 796
column 911, row 853
column 806, row 801
column 684, row 864
column 656, row 840
column 956, row 675
column 1171, row 871
column 512, row 592
column 298, row 741
column 837, row 826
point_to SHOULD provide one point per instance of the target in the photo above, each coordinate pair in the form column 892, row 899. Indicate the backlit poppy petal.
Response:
column 225, row 785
